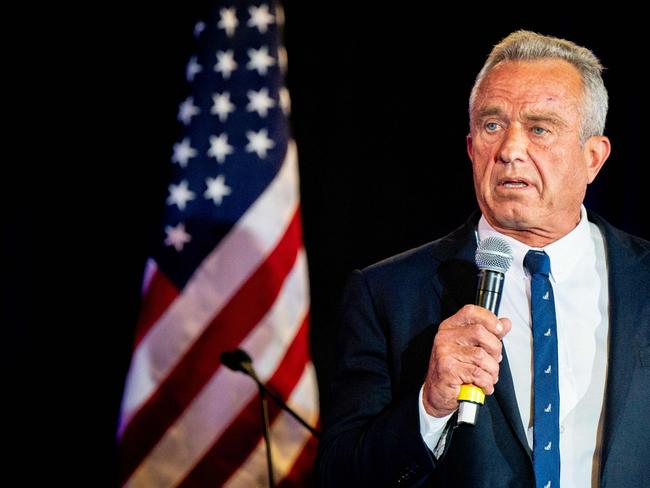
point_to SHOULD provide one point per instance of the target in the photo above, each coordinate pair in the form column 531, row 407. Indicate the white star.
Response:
column 183, row 152
column 260, row 60
column 260, row 18
column 222, row 105
column 217, row 189
column 260, row 102
column 228, row 20
column 187, row 110
column 179, row 195
column 219, row 147
column 176, row 236
column 225, row 63
column 198, row 28
column 259, row 142
column 193, row 68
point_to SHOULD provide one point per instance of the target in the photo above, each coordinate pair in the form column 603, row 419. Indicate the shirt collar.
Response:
column 563, row 253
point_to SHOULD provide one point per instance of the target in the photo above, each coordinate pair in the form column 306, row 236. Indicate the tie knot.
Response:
column 537, row 262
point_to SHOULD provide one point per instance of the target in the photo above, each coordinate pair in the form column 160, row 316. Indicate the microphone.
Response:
column 240, row 360
column 493, row 258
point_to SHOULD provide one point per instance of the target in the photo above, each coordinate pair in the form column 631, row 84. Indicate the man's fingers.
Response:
column 477, row 356
column 477, row 376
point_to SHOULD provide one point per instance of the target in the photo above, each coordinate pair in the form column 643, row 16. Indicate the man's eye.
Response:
column 539, row 131
column 491, row 126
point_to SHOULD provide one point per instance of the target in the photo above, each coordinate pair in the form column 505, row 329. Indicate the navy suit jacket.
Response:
column 390, row 315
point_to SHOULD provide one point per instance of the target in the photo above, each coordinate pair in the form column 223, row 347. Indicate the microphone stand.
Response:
column 284, row 406
column 239, row 360
column 267, row 437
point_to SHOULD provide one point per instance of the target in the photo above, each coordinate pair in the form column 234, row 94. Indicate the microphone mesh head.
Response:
column 494, row 253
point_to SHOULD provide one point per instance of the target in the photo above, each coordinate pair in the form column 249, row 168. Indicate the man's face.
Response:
column 530, row 168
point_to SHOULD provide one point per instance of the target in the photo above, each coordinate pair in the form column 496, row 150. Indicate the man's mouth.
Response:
column 513, row 183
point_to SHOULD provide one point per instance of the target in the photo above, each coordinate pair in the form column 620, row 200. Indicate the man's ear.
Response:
column 597, row 149
column 470, row 146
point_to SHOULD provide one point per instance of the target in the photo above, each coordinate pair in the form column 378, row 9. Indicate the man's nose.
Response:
column 514, row 145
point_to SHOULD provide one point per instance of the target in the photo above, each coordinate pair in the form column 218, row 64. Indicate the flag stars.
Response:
column 260, row 102
column 177, row 236
column 179, row 195
column 187, row 110
column 259, row 142
column 217, row 189
column 228, row 20
column 260, row 60
column 219, row 147
column 260, row 18
column 225, row 63
column 193, row 69
column 183, row 152
column 222, row 106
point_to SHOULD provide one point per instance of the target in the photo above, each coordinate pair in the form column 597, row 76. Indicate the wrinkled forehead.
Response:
column 533, row 85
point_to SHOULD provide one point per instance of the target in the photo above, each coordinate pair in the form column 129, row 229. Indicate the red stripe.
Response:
column 242, row 436
column 159, row 296
column 301, row 474
column 194, row 370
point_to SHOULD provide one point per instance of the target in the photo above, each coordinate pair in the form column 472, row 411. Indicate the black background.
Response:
column 379, row 113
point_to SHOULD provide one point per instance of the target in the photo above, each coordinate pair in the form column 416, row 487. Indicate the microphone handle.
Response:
column 488, row 295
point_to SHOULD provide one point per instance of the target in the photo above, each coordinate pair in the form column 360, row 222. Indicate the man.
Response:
column 409, row 340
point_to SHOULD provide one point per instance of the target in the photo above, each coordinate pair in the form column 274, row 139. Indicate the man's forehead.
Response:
column 550, row 77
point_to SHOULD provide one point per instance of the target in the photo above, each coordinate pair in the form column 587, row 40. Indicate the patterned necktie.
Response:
column 546, row 413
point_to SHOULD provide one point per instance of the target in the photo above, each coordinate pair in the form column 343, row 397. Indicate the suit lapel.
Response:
column 456, row 282
column 504, row 392
column 628, row 285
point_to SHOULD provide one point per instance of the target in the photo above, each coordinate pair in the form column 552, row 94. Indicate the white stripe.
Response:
column 227, row 392
column 211, row 287
column 288, row 438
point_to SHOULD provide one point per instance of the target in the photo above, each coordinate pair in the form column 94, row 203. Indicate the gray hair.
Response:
column 527, row 46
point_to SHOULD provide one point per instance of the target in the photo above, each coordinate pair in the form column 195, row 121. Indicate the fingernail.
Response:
column 500, row 357
column 499, row 326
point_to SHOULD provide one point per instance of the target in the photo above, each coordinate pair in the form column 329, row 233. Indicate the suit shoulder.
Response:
column 634, row 245
column 422, row 259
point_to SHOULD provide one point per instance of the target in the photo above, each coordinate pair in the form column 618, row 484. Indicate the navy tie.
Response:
column 546, row 410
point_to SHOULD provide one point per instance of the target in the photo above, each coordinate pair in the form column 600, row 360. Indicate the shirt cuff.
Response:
column 431, row 428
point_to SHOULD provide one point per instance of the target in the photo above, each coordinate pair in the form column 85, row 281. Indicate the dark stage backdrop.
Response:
column 379, row 112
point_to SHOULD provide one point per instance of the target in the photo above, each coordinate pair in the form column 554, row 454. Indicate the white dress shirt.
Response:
column 579, row 280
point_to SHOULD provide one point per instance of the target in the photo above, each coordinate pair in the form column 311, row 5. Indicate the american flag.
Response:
column 229, row 271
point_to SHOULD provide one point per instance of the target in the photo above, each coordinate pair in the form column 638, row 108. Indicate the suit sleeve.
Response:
column 371, row 438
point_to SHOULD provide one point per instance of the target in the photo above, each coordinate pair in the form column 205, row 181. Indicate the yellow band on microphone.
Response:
column 471, row 393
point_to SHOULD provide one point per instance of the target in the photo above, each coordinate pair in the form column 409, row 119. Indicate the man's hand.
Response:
column 466, row 349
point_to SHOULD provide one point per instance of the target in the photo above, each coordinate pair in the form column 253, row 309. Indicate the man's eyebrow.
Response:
column 490, row 111
column 549, row 117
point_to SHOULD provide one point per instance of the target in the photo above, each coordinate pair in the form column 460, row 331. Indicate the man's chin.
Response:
column 512, row 219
